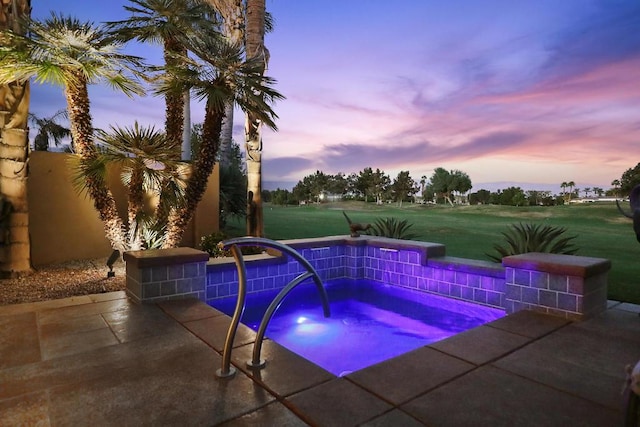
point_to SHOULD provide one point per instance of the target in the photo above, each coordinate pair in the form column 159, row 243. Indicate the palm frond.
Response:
column 87, row 172
column 65, row 51
column 159, row 20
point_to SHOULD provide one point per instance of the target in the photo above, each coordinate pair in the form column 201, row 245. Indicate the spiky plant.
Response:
column 393, row 228
column 522, row 238
column 67, row 52
column 150, row 174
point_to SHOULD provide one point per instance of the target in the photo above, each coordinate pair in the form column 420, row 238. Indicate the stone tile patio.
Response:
column 102, row 360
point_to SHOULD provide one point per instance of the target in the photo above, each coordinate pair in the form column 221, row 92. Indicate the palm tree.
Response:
column 587, row 191
column 564, row 188
column 150, row 173
column 571, row 184
column 167, row 22
column 171, row 23
column 598, row 191
column 49, row 129
column 258, row 53
column 218, row 75
column 73, row 54
column 14, row 110
column 232, row 15
column 616, row 187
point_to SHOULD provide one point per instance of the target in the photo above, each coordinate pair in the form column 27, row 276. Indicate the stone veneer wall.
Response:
column 570, row 286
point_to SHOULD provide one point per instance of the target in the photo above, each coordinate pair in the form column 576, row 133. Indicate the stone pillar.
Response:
column 570, row 286
column 164, row 274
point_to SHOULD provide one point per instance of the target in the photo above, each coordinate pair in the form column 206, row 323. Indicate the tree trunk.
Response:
column 174, row 122
column 135, row 207
column 82, row 133
column 14, row 155
column 233, row 24
column 174, row 102
column 186, row 127
column 255, row 49
column 226, row 134
column 199, row 177
column 447, row 197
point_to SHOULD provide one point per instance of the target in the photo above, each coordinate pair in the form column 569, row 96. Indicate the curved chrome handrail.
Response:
column 256, row 361
column 227, row 370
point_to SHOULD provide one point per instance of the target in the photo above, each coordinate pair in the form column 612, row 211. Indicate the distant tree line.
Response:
column 370, row 185
column 367, row 185
column 443, row 186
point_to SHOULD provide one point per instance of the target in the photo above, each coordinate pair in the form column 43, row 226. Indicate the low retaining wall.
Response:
column 569, row 286
column 565, row 285
column 163, row 274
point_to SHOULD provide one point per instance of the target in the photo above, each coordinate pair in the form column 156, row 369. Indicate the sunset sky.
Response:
column 529, row 93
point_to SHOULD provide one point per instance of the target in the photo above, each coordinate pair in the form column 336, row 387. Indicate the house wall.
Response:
column 64, row 225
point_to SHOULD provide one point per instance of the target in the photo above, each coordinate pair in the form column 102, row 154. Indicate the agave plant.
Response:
column 523, row 238
column 392, row 227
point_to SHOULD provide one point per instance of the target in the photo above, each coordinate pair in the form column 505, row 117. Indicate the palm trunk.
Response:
column 197, row 183
column 226, row 135
column 82, row 132
column 15, row 245
column 254, row 46
column 231, row 11
column 134, row 208
column 174, row 102
column 174, row 122
column 186, row 127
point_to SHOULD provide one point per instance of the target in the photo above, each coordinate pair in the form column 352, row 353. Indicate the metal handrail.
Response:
column 227, row 370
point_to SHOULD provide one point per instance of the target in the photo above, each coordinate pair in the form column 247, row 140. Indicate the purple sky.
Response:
column 529, row 93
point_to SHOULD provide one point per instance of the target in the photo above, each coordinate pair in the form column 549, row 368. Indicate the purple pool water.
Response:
column 369, row 322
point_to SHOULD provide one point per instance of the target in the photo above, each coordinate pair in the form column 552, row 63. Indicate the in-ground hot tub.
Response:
column 370, row 322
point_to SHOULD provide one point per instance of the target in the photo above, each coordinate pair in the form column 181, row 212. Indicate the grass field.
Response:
column 471, row 231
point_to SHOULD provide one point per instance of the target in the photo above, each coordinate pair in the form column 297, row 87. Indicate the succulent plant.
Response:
column 522, row 238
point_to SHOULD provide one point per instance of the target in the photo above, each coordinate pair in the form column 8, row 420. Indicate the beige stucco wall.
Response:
column 64, row 225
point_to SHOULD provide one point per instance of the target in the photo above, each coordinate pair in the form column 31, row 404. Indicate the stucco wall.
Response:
column 65, row 226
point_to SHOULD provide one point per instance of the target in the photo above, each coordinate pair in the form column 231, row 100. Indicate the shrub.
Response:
column 210, row 244
column 392, row 227
column 523, row 238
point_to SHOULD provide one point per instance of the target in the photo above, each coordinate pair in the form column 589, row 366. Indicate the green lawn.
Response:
column 471, row 231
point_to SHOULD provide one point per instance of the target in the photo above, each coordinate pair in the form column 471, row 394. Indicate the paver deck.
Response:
column 103, row 360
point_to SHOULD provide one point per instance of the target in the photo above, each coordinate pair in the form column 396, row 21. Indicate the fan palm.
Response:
column 232, row 14
column 150, row 173
column 49, row 129
column 571, row 185
column 170, row 23
column 73, row 54
column 218, row 75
